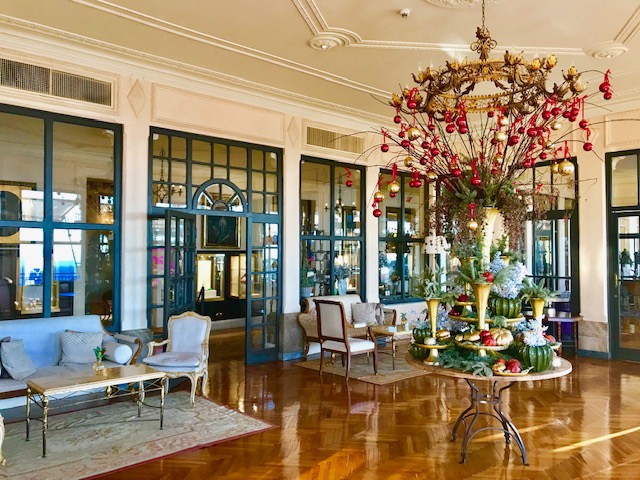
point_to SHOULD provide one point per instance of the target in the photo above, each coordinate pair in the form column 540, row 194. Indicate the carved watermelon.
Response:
column 506, row 307
column 538, row 357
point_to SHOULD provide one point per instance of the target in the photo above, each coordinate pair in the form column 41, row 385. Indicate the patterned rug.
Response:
column 362, row 371
column 98, row 440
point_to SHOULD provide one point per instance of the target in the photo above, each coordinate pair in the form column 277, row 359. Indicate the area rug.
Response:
column 362, row 371
column 98, row 440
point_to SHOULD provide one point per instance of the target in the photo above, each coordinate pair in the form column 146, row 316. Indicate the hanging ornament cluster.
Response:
column 481, row 143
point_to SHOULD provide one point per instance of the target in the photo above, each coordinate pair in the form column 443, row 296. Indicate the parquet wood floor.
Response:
column 586, row 425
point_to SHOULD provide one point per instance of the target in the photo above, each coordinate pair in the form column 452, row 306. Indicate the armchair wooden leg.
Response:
column 205, row 386
column 194, row 384
column 375, row 362
column 321, row 359
column 348, row 367
column 342, row 357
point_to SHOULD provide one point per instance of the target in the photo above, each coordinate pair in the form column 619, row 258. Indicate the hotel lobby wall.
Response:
column 148, row 95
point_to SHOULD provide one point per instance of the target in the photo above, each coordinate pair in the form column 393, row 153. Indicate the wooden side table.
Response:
column 557, row 322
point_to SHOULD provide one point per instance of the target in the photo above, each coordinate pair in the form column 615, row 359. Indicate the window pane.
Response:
column 201, row 151
column 220, row 154
column 200, row 174
column 238, row 157
column 257, row 160
column 83, row 269
column 315, row 275
column 389, row 278
column 315, row 192
column 624, row 180
column 346, row 265
column 21, row 189
column 83, row 173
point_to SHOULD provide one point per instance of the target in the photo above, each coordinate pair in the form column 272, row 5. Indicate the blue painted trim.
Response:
column 594, row 354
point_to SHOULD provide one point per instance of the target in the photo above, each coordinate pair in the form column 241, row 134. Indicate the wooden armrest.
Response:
column 131, row 340
column 151, row 345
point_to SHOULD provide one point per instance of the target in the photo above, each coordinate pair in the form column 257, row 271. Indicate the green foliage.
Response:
column 625, row 258
column 467, row 361
column 431, row 284
column 531, row 289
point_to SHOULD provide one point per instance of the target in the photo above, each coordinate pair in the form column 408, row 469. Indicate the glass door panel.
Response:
column 626, row 298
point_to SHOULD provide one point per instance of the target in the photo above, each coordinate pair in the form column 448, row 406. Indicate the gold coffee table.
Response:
column 41, row 390
column 396, row 335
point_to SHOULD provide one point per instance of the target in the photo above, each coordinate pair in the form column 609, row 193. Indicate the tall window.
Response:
column 332, row 227
column 401, row 228
column 551, row 242
column 59, row 215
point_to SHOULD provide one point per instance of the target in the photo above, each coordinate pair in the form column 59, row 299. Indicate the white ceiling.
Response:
column 266, row 44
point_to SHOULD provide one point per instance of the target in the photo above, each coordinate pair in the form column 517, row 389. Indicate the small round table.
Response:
column 493, row 398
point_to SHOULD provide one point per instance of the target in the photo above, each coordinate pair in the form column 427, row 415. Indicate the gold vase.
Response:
column 432, row 307
column 481, row 292
column 537, row 305
column 490, row 216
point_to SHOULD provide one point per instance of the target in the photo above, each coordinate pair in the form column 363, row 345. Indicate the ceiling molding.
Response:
column 629, row 29
column 206, row 73
column 453, row 3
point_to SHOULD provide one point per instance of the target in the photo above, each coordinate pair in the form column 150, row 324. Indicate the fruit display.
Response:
column 538, row 357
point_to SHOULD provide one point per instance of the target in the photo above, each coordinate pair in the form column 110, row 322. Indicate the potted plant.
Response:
column 626, row 263
column 342, row 272
column 307, row 280
column 537, row 295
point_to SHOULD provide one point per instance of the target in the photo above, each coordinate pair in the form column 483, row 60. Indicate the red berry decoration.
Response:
column 513, row 140
column 490, row 113
column 532, row 132
column 377, row 212
column 349, row 183
column 475, row 181
column 423, row 161
column 521, row 130
column 587, row 147
column 450, row 128
column 546, row 114
column 555, row 111
column 488, row 276
column 402, row 134
column 425, row 144
column 384, row 147
column 456, row 172
column 528, row 163
column 412, row 104
column 405, row 143
column 434, row 152
column 543, row 156
column 463, row 130
column 583, row 124
column 397, row 119
column 608, row 95
column 604, row 87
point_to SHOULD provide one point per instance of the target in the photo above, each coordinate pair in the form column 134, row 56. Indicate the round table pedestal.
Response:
column 469, row 417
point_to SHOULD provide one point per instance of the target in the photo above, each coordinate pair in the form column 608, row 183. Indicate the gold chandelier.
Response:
column 476, row 125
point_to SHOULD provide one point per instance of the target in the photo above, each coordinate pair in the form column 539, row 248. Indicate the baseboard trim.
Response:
column 593, row 354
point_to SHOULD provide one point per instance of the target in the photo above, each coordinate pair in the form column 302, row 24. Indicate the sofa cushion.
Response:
column 117, row 352
column 15, row 359
column 3, row 371
column 78, row 347
column 173, row 359
column 367, row 313
column 346, row 300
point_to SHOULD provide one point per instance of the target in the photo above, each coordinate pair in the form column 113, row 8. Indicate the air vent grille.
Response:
column 334, row 140
column 33, row 78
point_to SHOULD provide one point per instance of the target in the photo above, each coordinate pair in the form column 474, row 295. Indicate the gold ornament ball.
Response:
column 431, row 175
column 394, row 187
column 504, row 121
column 378, row 196
column 555, row 125
column 555, row 169
column 472, row 224
column 566, row 168
column 500, row 136
column 408, row 162
column 413, row 133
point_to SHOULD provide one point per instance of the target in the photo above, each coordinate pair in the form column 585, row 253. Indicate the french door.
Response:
column 624, row 245
column 180, row 264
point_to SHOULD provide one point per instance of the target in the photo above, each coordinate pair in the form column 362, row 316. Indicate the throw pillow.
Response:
column 3, row 371
column 364, row 313
column 16, row 360
column 78, row 347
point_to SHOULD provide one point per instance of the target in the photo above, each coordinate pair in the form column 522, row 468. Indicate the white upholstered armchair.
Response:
column 187, row 350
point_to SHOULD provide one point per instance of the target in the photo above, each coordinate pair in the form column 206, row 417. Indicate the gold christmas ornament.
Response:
column 408, row 162
column 413, row 133
column 378, row 196
column 565, row 167
column 554, row 169
column 472, row 224
column 393, row 187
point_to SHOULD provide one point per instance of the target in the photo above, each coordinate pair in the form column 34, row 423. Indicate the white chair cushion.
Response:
column 117, row 352
column 173, row 359
column 356, row 344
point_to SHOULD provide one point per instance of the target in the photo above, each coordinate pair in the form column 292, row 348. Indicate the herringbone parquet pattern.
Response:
column 586, row 425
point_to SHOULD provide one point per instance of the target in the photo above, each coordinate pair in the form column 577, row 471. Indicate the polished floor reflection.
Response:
column 584, row 425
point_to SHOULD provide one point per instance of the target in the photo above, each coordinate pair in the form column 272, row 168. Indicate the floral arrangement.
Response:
column 511, row 277
column 531, row 289
column 100, row 353
column 342, row 271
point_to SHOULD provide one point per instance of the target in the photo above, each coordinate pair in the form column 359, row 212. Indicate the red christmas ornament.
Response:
column 528, row 163
column 349, row 183
column 425, row 144
column 450, row 128
column 475, row 181
column 546, row 114
column 521, row 130
column 405, row 143
column 555, row 111
column 431, row 127
column 434, row 152
column 583, row 124
column 604, row 86
column 607, row 95
column 456, row 172
column 402, row 134
column 412, row 104
column 490, row 113
column 532, row 132
column 543, row 156
column 397, row 119
column 384, row 147
column 392, row 194
column 377, row 212
column 587, row 147
column 423, row 161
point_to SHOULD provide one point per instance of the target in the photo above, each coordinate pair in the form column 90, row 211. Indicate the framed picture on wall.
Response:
column 220, row 232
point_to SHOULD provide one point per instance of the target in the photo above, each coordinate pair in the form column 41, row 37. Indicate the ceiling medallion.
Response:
column 327, row 41
column 607, row 49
